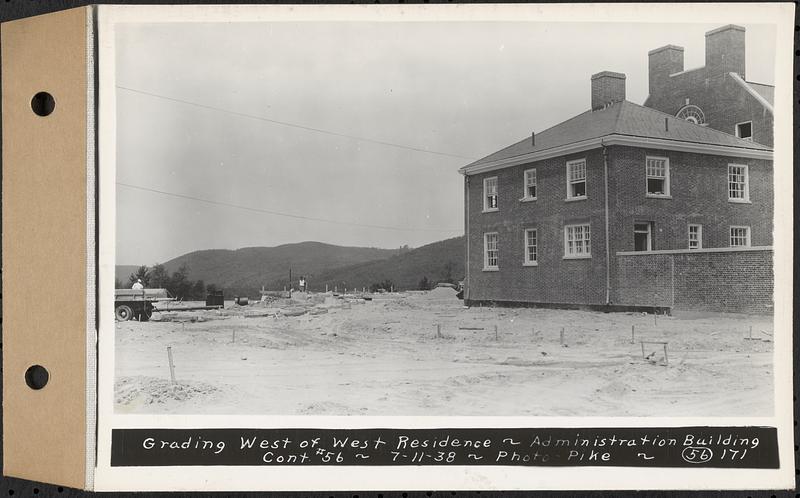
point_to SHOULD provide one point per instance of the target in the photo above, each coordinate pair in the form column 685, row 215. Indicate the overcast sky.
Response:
column 197, row 106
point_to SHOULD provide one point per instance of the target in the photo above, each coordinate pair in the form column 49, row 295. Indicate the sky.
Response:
column 235, row 135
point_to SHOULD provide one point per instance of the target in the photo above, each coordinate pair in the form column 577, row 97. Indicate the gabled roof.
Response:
column 621, row 121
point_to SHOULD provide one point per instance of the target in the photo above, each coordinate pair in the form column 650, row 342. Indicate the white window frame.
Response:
column 746, row 190
column 647, row 177
column 486, row 265
column 739, row 227
column 527, row 261
column 699, row 235
column 649, row 233
column 736, row 130
column 585, row 241
column 526, row 184
column 571, row 197
column 486, row 208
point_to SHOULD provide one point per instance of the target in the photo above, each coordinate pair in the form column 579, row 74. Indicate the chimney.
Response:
column 725, row 51
column 661, row 63
column 607, row 88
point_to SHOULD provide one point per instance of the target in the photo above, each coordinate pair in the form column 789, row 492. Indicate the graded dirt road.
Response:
column 383, row 357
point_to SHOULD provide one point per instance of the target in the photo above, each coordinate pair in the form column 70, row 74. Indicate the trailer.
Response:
column 138, row 303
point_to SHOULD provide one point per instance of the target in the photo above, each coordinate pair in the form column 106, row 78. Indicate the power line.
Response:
column 287, row 215
column 292, row 125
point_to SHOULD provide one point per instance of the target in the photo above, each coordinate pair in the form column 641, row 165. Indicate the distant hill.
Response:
column 438, row 262
column 244, row 271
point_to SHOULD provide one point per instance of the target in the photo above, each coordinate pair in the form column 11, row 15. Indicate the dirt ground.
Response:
column 325, row 355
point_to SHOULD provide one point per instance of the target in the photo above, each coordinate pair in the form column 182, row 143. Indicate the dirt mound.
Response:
column 442, row 293
column 149, row 390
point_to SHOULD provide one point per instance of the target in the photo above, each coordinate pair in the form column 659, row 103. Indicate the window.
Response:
column 530, row 184
column 577, row 242
column 738, row 184
column 643, row 236
column 745, row 130
column 491, row 252
column 490, row 194
column 576, row 179
column 695, row 236
column 740, row 236
column 531, row 256
column 657, row 169
column 691, row 113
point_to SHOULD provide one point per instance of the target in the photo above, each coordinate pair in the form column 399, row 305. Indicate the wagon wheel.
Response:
column 123, row 312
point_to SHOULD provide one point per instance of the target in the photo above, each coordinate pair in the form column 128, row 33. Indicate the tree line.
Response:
column 177, row 284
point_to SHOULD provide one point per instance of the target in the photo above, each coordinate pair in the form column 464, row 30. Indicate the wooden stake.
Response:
column 655, row 318
column 666, row 359
column 438, row 330
column 562, row 336
column 171, row 364
column 633, row 341
column 233, row 339
column 496, row 335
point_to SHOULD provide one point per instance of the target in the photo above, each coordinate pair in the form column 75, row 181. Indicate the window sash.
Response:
column 695, row 236
column 530, row 183
column 490, row 193
column 737, row 182
column 531, row 255
column 740, row 236
column 576, row 177
column 491, row 250
column 578, row 240
column 656, row 168
column 657, row 175
column 577, row 171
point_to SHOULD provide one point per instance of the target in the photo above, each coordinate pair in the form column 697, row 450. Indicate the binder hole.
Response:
column 43, row 104
column 36, row 377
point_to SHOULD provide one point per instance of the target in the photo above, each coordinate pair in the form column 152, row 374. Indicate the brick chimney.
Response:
column 661, row 63
column 725, row 50
column 607, row 88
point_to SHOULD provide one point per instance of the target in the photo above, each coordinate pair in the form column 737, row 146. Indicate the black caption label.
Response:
column 726, row 447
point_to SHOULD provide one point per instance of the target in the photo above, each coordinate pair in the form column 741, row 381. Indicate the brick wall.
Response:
column 698, row 195
column 708, row 280
column 723, row 101
column 555, row 279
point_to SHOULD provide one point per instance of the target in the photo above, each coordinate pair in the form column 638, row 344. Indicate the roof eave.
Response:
column 617, row 139
column 749, row 89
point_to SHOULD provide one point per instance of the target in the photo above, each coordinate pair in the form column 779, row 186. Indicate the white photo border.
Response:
column 222, row 478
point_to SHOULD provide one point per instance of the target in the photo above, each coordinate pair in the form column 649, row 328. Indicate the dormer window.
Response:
column 745, row 130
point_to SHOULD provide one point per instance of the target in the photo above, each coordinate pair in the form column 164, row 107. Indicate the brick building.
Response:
column 717, row 94
column 623, row 206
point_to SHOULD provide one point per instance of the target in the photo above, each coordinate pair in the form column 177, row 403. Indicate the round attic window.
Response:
column 692, row 113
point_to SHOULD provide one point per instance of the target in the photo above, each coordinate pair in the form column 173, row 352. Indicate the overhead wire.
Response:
column 292, row 125
column 283, row 214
